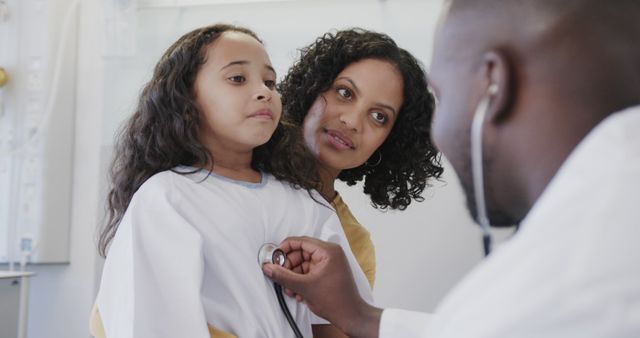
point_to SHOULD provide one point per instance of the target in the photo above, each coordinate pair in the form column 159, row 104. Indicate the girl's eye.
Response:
column 345, row 93
column 379, row 117
column 271, row 84
column 237, row 79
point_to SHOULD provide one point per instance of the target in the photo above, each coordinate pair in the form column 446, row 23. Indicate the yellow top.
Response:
column 359, row 241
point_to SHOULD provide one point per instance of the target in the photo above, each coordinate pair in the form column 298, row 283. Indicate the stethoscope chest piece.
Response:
column 271, row 254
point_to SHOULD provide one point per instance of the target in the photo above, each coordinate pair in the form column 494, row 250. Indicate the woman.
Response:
column 366, row 111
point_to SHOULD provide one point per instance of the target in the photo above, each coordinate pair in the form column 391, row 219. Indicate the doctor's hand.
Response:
column 318, row 273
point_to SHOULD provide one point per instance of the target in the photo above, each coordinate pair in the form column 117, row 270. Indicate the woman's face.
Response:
column 348, row 122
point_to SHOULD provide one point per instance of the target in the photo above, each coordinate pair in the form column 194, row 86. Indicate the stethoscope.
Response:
column 476, row 167
column 269, row 253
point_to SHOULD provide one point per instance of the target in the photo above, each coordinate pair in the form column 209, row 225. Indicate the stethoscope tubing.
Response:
column 285, row 309
column 271, row 254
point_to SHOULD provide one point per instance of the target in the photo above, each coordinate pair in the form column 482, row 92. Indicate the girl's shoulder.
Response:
column 174, row 178
column 166, row 189
column 169, row 186
column 182, row 181
column 158, row 188
column 311, row 195
column 158, row 183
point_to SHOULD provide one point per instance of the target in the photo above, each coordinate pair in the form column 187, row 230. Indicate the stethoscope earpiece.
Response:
column 493, row 89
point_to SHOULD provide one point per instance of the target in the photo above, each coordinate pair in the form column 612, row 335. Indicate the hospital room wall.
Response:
column 422, row 252
column 61, row 295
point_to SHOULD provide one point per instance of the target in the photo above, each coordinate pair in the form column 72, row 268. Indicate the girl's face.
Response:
column 235, row 91
column 348, row 122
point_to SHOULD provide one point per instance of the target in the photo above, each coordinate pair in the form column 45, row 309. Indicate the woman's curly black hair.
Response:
column 163, row 131
column 409, row 159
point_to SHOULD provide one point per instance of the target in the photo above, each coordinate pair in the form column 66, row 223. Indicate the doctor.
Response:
column 559, row 84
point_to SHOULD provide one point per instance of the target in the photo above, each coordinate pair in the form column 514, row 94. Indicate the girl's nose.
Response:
column 264, row 94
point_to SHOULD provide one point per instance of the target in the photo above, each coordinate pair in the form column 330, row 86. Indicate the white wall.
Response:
column 421, row 252
column 61, row 295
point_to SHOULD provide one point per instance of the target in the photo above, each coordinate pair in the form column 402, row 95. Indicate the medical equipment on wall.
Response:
column 37, row 52
column 269, row 253
column 476, row 167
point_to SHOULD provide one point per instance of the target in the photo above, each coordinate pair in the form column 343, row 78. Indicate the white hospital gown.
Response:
column 185, row 256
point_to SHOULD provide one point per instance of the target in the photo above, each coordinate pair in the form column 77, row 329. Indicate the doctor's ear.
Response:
column 498, row 73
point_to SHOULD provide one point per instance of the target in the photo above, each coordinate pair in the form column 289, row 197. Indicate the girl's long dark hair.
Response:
column 163, row 131
column 408, row 159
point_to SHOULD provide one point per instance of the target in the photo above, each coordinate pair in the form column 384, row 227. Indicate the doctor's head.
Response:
column 556, row 68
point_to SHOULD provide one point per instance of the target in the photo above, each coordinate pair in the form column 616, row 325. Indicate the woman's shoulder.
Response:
column 350, row 224
column 359, row 239
column 342, row 209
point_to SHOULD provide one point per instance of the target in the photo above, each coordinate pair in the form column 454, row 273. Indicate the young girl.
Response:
column 366, row 111
column 192, row 202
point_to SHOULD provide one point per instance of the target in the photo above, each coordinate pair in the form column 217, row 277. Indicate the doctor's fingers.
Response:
column 293, row 295
column 295, row 259
column 296, row 283
column 302, row 243
column 313, row 250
